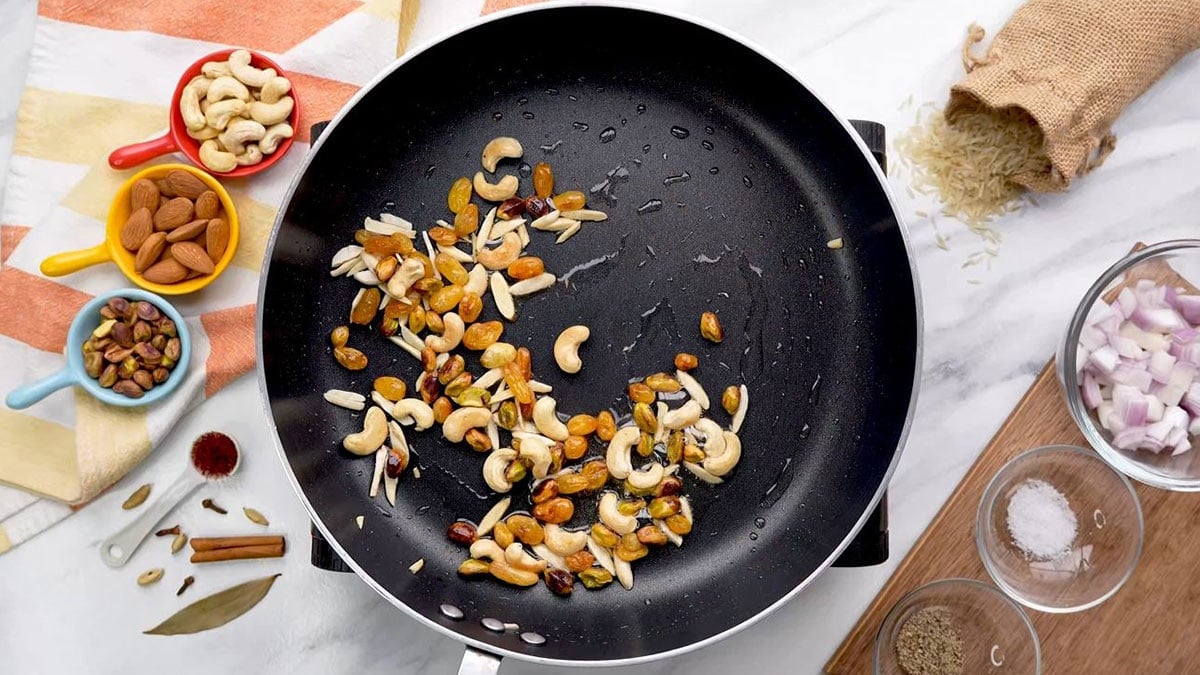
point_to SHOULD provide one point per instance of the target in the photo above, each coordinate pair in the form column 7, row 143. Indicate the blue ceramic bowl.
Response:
column 74, row 374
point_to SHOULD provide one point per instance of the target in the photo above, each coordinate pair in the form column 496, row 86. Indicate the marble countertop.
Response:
column 989, row 330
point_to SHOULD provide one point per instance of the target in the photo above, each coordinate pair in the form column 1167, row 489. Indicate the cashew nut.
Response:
column 271, row 113
column 477, row 281
column 563, row 542
column 250, row 157
column 215, row 69
column 534, row 449
column 239, row 132
column 452, row 334
column 405, row 276
column 495, row 192
column 612, row 518
column 617, row 458
column 714, row 443
column 455, row 428
column 189, row 108
column 502, row 147
column 495, row 466
column 220, row 113
column 227, row 87
column 239, row 67
column 566, row 348
column 516, row 556
column 721, row 463
column 646, row 479
column 216, row 159
column 414, row 411
column 204, row 133
column 503, row 255
column 274, row 89
column 685, row 415
column 374, row 433
column 274, row 136
column 486, row 549
column 546, row 421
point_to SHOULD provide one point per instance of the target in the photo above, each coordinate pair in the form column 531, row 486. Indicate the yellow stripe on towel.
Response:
column 81, row 129
column 110, row 441
column 38, row 456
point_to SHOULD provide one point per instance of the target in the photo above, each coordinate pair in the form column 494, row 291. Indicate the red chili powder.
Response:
column 214, row 454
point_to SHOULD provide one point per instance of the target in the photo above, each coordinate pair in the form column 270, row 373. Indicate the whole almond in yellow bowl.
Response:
column 171, row 229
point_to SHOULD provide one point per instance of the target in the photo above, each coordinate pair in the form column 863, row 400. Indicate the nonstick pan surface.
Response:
column 826, row 340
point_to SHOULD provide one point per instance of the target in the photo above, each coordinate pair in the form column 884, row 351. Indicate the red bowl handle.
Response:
column 132, row 155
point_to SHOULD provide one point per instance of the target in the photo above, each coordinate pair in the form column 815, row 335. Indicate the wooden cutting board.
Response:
column 1152, row 625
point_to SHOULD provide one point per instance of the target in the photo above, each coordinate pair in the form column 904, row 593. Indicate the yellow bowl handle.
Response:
column 62, row 264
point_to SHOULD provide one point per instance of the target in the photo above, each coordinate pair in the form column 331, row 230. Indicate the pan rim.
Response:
column 448, row 631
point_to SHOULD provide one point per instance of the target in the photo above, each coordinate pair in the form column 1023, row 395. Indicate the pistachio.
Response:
column 459, row 384
column 675, row 447
column 144, row 379
column 451, row 369
column 147, row 353
column 731, row 398
column 123, row 335
column 693, row 454
column 631, row 507
column 173, row 349
column 116, row 353
column 108, row 377
column 93, row 363
column 663, row 507
column 127, row 368
column 167, row 327
column 128, row 388
column 506, row 417
column 159, row 341
column 473, row 397
column 148, row 311
column 515, row 473
column 645, row 446
column 478, row 440
column 644, row 417
column 118, row 306
column 160, row 375
column 595, row 577
column 104, row 328
column 137, row 498
column 141, row 332
column 650, row 535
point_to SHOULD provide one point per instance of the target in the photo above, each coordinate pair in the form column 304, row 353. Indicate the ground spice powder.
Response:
column 214, row 454
column 929, row 644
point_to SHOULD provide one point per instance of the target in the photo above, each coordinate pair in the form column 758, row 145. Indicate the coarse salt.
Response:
column 1040, row 520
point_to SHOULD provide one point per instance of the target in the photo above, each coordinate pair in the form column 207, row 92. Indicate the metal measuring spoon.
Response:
column 119, row 548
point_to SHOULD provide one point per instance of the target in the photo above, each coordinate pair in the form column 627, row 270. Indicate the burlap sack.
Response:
column 1074, row 65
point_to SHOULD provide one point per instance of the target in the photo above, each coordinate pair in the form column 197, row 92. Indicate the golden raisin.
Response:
column 516, row 382
column 391, row 388
column 450, row 268
column 580, row 560
column 630, row 548
column 527, row 529
column 442, row 235
column 596, row 472
column 572, row 483
column 350, row 358
column 581, row 425
column 731, row 398
column 460, row 195
column 429, row 360
column 480, row 336
column 397, row 309
column 663, row 382
column 427, row 285
column 640, row 393
column 416, row 319
column 524, row 359
column 442, row 409
column 644, row 418
column 686, row 362
column 433, row 321
column 575, row 447
column 446, row 298
column 339, row 336
column 555, row 511
column 526, row 268
column 543, row 180
column 366, row 307
column 569, row 201
column 470, row 307
column 606, row 426
column 380, row 245
column 710, row 327
column 466, row 221
column 679, row 524
column 502, row 535
column 645, row 446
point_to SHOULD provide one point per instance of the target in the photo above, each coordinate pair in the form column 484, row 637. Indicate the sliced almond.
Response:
column 527, row 286
column 503, row 297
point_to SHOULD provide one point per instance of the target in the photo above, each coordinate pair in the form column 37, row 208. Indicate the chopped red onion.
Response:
column 1091, row 392
column 1105, row 358
column 1157, row 319
column 1189, row 307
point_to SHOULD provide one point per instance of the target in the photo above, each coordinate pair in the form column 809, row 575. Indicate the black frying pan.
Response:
column 828, row 341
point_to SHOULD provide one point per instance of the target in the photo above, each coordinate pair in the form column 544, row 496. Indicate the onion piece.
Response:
column 1105, row 358
column 1091, row 392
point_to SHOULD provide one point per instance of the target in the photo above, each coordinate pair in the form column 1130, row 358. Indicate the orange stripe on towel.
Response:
column 37, row 311
column 490, row 6
column 10, row 236
column 231, row 354
column 256, row 24
column 320, row 99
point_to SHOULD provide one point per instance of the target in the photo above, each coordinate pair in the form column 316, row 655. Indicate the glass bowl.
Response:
column 1178, row 261
column 996, row 635
column 1108, row 531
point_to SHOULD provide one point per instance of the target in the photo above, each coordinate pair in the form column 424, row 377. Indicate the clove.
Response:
column 167, row 532
column 187, row 581
column 212, row 506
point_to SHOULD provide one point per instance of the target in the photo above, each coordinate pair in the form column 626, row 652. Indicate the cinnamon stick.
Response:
column 238, row 553
column 214, row 543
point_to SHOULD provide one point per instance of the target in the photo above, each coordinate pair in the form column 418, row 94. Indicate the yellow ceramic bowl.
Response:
column 111, row 250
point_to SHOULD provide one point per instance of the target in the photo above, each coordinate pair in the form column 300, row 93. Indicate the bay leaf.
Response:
column 217, row 609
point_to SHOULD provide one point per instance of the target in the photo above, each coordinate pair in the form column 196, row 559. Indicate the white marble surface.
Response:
column 62, row 611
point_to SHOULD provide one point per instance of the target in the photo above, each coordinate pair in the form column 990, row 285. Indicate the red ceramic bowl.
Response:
column 177, row 139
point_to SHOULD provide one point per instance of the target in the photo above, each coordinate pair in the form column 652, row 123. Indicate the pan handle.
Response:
column 870, row 545
column 322, row 556
column 478, row 662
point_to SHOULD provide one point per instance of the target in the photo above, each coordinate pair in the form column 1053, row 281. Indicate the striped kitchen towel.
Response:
column 100, row 76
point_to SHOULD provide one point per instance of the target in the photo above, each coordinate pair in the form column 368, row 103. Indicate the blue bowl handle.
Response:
column 24, row 396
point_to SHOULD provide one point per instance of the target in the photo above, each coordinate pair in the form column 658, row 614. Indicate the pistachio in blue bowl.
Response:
column 127, row 348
